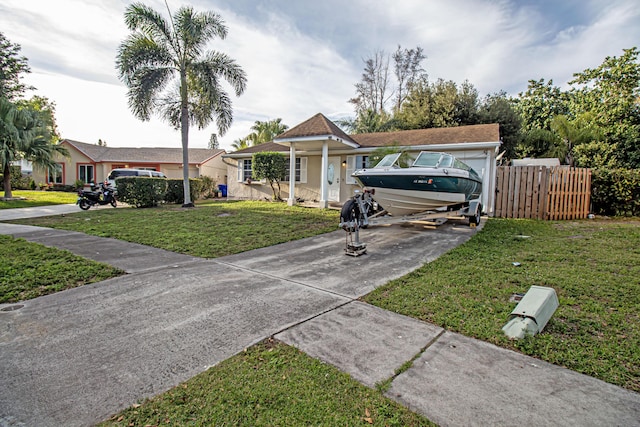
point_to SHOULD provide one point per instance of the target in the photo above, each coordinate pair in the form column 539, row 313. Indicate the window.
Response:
column 301, row 170
column 85, row 173
column 244, row 170
column 55, row 174
column 353, row 164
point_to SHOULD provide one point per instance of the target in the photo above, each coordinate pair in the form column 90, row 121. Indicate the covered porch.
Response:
column 316, row 135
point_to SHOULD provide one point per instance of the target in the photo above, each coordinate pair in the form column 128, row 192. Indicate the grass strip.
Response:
column 29, row 270
column 38, row 198
column 270, row 384
column 592, row 265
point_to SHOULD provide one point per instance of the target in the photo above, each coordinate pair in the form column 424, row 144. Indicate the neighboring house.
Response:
column 322, row 158
column 90, row 162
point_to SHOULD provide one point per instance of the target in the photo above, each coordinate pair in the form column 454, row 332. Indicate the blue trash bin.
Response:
column 223, row 189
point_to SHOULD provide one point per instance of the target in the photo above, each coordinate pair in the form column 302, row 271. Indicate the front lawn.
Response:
column 594, row 266
column 29, row 270
column 38, row 198
column 211, row 229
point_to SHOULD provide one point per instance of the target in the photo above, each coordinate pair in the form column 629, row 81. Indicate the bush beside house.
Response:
column 141, row 192
column 616, row 192
column 175, row 190
column 145, row 192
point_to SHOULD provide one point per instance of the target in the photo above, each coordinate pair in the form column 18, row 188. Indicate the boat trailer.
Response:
column 360, row 212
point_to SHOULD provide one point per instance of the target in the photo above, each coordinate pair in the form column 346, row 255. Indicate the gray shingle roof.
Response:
column 451, row 135
column 317, row 125
column 99, row 153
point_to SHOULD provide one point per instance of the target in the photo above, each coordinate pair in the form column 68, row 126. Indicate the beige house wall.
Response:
column 309, row 191
column 215, row 168
column 481, row 160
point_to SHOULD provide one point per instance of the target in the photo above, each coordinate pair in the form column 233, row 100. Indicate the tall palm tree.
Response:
column 25, row 135
column 168, row 72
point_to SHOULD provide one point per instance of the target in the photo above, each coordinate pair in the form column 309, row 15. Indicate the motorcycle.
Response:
column 104, row 196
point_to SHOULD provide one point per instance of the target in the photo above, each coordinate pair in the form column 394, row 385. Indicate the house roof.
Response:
column 317, row 125
column 415, row 137
column 450, row 135
column 99, row 153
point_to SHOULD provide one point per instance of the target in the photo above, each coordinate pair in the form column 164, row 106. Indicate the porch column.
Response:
column 292, row 175
column 324, row 187
column 487, row 184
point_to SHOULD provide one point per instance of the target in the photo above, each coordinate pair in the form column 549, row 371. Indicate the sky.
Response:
column 303, row 57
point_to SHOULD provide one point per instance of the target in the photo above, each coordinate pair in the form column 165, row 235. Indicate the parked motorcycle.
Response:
column 103, row 195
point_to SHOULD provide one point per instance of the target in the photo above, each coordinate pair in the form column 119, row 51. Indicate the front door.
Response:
column 333, row 179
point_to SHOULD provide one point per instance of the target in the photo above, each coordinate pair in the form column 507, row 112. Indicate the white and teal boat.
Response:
column 435, row 181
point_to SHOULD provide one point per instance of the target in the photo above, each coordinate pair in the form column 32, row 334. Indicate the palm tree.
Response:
column 168, row 72
column 24, row 135
column 241, row 144
column 266, row 131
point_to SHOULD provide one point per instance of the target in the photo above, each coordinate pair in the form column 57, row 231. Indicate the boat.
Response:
column 434, row 182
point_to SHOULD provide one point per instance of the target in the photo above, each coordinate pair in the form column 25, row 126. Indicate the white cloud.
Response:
column 304, row 57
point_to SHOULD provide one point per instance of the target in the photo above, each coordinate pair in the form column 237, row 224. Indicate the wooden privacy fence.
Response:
column 540, row 192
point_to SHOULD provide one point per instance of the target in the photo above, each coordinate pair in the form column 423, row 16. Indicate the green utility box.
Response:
column 532, row 312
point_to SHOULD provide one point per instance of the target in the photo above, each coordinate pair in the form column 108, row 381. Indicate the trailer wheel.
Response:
column 475, row 219
column 349, row 214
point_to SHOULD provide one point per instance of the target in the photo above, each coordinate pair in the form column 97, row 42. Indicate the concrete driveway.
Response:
column 78, row 356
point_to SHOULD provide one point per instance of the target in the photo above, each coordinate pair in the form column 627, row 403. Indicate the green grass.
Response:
column 594, row 266
column 210, row 230
column 269, row 384
column 38, row 198
column 29, row 270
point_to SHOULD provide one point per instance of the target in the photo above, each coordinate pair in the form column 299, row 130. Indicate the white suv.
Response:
column 117, row 173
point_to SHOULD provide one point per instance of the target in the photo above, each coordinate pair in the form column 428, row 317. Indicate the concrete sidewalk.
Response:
column 11, row 214
column 76, row 357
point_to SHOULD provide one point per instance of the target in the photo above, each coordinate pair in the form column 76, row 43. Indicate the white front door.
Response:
column 333, row 179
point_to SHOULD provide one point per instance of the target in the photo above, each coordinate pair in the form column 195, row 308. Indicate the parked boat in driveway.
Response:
column 435, row 181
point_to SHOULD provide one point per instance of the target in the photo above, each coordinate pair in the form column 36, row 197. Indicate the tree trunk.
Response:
column 184, row 131
column 7, row 181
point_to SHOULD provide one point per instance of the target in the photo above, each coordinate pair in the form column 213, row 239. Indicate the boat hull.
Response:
column 404, row 193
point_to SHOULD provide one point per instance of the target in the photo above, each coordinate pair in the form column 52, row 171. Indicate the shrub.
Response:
column 616, row 191
column 18, row 181
column 175, row 190
column 141, row 192
column 62, row 187
column 209, row 188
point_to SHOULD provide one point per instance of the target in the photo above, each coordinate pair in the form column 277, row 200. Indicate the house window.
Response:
column 55, row 174
column 353, row 164
column 85, row 173
column 301, row 170
column 244, row 170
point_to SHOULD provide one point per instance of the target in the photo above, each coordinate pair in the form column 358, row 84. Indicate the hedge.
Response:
column 616, row 192
column 141, row 192
column 175, row 190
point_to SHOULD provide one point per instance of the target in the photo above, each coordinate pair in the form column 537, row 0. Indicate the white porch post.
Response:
column 324, row 187
column 292, row 175
column 487, row 199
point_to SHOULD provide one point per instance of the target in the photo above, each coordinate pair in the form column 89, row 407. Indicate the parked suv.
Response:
column 117, row 173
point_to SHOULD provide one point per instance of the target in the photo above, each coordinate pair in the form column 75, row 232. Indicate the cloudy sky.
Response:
column 304, row 56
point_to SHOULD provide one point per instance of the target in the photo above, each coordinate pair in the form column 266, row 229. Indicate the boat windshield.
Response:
column 430, row 160
column 388, row 161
